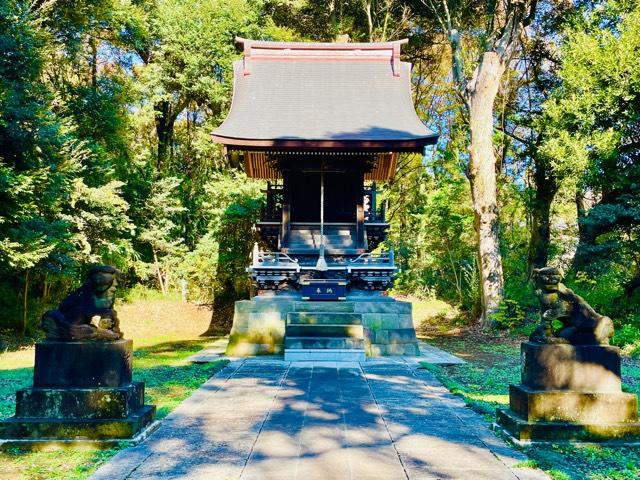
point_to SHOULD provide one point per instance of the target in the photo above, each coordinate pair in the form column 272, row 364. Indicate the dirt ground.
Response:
column 144, row 321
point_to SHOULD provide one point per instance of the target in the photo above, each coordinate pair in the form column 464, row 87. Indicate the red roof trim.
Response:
column 258, row 44
column 283, row 51
column 337, row 58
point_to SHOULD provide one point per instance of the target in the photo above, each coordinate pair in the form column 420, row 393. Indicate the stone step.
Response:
column 315, row 240
column 324, row 318
column 322, row 355
column 349, row 243
column 324, row 331
column 325, row 343
column 328, row 230
column 316, row 235
column 328, row 250
column 323, row 307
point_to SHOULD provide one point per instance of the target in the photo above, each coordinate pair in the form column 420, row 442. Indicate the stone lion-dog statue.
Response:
column 87, row 313
column 580, row 323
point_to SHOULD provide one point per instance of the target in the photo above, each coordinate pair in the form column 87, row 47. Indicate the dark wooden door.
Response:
column 341, row 194
column 304, row 191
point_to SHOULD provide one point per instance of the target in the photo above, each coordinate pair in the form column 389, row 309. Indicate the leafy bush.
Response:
column 625, row 335
column 509, row 315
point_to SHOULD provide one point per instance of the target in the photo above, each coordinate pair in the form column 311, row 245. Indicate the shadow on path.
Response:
column 267, row 419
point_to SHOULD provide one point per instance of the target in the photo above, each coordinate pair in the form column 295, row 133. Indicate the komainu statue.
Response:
column 87, row 313
column 579, row 323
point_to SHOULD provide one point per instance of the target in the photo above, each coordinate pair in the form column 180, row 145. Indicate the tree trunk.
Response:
column 546, row 188
column 480, row 96
column 25, row 304
column 156, row 264
column 581, row 208
column 222, row 310
column 586, row 235
column 164, row 131
column 94, row 62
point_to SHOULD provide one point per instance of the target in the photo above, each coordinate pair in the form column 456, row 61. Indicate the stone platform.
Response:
column 366, row 323
column 570, row 393
column 82, row 394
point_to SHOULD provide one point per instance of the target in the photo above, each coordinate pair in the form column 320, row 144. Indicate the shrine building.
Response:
column 323, row 124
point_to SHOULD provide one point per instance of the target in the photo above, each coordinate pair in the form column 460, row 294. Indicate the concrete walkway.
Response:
column 271, row 420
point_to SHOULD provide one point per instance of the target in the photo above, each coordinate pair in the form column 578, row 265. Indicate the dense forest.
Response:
column 106, row 110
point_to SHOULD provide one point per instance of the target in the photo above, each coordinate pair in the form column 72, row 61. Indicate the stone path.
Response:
column 211, row 354
column 271, row 420
column 431, row 354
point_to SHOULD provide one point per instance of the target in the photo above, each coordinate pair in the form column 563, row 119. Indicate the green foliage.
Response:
column 216, row 266
column 62, row 207
column 510, row 315
column 105, row 153
column 432, row 230
column 594, row 120
column 602, row 292
column 628, row 334
column 106, row 109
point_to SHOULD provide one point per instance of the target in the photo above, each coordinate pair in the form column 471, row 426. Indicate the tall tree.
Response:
column 594, row 139
column 493, row 29
column 61, row 205
column 186, row 49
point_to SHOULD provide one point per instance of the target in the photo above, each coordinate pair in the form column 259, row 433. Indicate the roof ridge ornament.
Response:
column 247, row 55
column 321, row 51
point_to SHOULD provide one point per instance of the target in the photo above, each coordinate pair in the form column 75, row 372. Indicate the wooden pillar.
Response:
column 373, row 216
column 360, row 223
column 285, row 228
column 286, row 225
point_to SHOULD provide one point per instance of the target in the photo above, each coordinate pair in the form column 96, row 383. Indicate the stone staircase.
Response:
column 335, row 334
column 337, row 239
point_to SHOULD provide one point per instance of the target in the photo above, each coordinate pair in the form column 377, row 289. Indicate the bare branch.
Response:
column 514, row 136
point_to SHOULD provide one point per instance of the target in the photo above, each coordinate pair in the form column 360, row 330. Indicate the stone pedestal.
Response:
column 570, row 393
column 262, row 325
column 82, row 393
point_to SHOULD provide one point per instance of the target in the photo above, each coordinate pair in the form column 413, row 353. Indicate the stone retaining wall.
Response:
column 259, row 324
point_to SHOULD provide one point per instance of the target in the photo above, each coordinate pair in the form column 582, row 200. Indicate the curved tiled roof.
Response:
column 323, row 96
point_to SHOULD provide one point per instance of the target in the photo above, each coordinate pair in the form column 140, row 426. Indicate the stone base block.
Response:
column 80, row 403
column 82, row 393
column 51, row 445
column 82, row 364
column 393, row 349
column 524, row 431
column 241, row 345
column 54, row 429
column 579, row 368
column 568, row 406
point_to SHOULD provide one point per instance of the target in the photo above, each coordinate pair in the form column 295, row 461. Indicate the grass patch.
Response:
column 483, row 383
column 160, row 362
column 168, row 377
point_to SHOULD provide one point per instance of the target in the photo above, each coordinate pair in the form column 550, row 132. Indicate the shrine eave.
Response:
column 405, row 145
